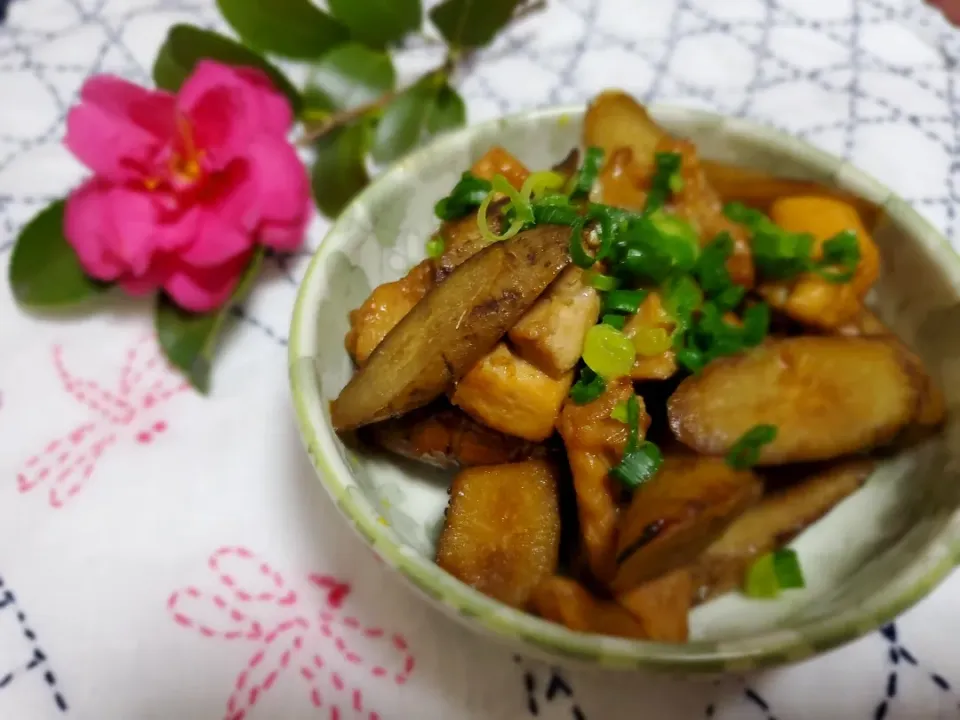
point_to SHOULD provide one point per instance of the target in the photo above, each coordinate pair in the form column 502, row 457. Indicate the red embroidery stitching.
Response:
column 236, row 604
column 145, row 382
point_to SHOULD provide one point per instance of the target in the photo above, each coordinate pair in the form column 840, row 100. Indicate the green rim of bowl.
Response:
column 526, row 631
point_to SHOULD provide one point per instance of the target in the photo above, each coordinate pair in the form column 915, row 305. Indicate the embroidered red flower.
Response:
column 185, row 185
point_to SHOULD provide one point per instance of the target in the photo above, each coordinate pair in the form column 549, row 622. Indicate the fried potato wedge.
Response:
column 811, row 299
column 502, row 531
column 594, row 443
column 455, row 324
column 759, row 189
column 566, row 602
column 446, row 437
column 827, row 397
column 386, row 306
column 615, row 120
column 462, row 239
column 675, row 515
column 776, row 520
column 552, row 332
column 932, row 408
column 505, row 392
column 662, row 606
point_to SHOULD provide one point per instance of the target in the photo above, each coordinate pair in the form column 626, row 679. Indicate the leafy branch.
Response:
column 350, row 109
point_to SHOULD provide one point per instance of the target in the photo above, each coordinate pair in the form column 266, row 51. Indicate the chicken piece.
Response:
column 551, row 334
column 502, row 531
column 498, row 161
column 811, row 299
column 505, row 392
column 386, row 306
column 651, row 314
column 699, row 204
column 566, row 602
column 595, row 443
column 446, row 437
column 661, row 605
column 676, row 514
column 622, row 183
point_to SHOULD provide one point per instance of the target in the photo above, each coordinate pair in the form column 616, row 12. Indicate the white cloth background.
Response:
column 174, row 538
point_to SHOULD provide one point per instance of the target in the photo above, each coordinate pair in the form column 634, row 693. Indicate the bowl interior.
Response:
column 876, row 553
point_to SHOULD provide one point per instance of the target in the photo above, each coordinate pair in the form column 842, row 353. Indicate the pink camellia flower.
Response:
column 185, row 185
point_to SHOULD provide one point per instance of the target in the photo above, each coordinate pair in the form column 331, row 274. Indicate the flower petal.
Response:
column 227, row 108
column 205, row 289
column 285, row 203
column 217, row 242
column 89, row 231
column 119, row 129
column 135, row 220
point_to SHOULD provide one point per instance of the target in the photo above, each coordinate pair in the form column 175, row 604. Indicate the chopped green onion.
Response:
column 786, row 565
column 587, row 388
column 681, row 298
column 641, row 460
column 691, row 359
column 773, row 572
column 466, row 195
column 435, row 246
column 638, row 466
column 667, row 167
column 484, row 224
column 519, row 203
column 623, row 301
column 645, row 262
column 841, row 253
column 539, row 183
column 554, row 210
column 582, row 182
column 745, row 453
column 578, row 253
column 615, row 321
column 608, row 352
column 653, row 341
column 730, row 298
column 756, row 324
column 761, row 581
column 711, row 268
column 678, row 238
column 782, row 255
column 620, row 413
column 601, row 282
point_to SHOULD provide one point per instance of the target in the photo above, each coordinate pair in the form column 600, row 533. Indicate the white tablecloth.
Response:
column 168, row 556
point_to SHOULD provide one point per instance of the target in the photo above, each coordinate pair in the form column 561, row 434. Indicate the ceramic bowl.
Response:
column 875, row 555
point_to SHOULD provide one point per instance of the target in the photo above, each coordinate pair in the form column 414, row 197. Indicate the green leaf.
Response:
column 352, row 75
column 339, row 171
column 289, row 28
column 449, row 113
column 189, row 339
column 425, row 109
column 378, row 22
column 44, row 269
column 186, row 45
column 471, row 23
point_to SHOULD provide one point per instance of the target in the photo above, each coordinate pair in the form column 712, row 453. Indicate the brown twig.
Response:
column 327, row 123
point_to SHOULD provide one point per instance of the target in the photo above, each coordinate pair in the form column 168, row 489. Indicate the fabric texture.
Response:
column 164, row 555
